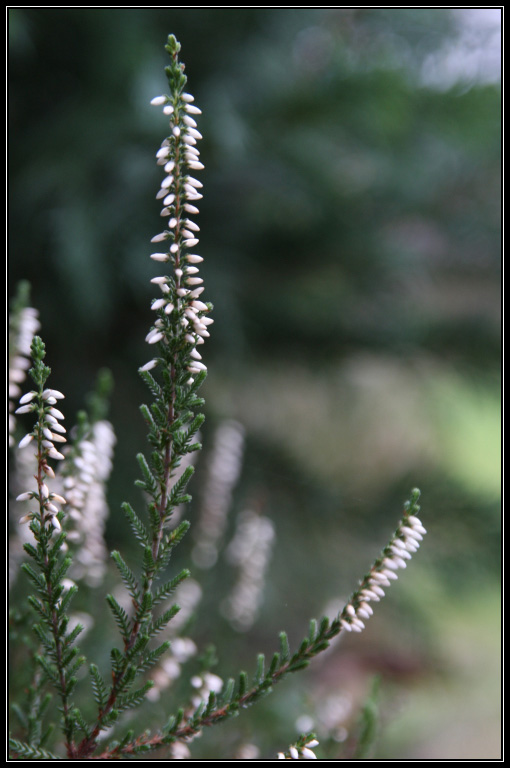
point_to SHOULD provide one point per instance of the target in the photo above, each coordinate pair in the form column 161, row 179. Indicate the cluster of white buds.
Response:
column 27, row 324
column 180, row 306
column 88, row 469
column 300, row 752
column 223, row 470
column 49, row 431
column 404, row 543
column 250, row 551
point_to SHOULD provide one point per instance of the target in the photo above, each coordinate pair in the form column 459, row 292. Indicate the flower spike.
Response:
column 405, row 540
column 180, row 326
column 47, row 431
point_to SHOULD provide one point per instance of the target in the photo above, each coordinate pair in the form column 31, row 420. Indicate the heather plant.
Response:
column 63, row 507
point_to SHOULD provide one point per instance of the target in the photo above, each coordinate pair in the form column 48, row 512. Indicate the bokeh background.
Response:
column 351, row 233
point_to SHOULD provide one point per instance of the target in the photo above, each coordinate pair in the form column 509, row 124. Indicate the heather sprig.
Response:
column 47, row 430
column 243, row 692
column 182, row 318
column 58, row 659
column 180, row 327
column 237, row 694
column 405, row 541
column 173, row 376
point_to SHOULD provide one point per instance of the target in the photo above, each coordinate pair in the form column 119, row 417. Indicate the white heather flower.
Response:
column 158, row 100
column 369, row 594
column 416, row 524
column 23, row 409
column 159, row 238
column 54, row 454
column 389, row 574
column 25, row 496
column 411, row 533
column 192, row 110
column 27, row 398
column 52, row 393
column 379, row 578
column 195, row 165
column 25, row 441
column 364, row 610
column 148, row 366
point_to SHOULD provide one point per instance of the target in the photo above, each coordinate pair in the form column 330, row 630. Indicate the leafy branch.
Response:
column 173, row 377
column 239, row 695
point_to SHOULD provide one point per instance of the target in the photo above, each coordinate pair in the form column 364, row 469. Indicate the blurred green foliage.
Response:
column 351, row 234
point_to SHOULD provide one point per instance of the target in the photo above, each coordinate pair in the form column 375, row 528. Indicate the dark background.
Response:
column 350, row 228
